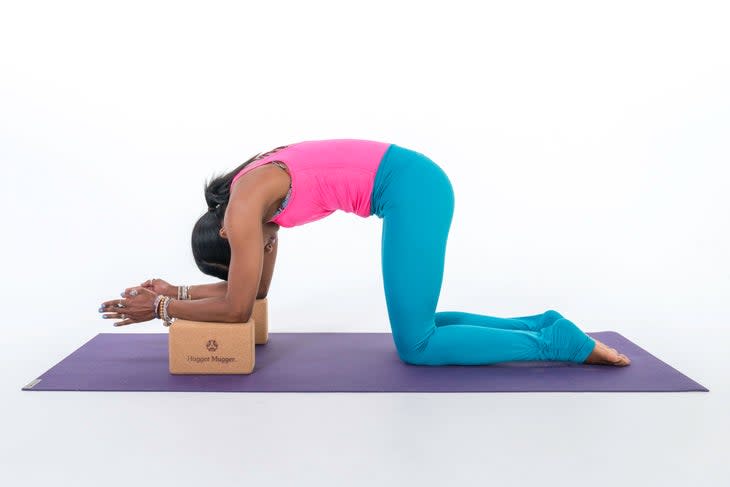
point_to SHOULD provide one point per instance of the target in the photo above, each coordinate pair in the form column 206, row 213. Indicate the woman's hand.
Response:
column 158, row 286
column 136, row 306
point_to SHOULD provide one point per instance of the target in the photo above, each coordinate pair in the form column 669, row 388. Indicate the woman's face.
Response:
column 270, row 234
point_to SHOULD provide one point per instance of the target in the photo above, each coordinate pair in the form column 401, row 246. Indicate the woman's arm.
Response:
column 216, row 289
column 215, row 308
column 245, row 236
column 268, row 270
column 199, row 291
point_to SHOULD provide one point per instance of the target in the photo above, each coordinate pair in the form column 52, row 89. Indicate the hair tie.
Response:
column 213, row 208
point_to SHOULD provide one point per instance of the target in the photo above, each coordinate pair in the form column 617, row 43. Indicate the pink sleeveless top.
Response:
column 326, row 175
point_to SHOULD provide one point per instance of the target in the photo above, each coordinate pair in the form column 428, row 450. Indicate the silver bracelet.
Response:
column 183, row 292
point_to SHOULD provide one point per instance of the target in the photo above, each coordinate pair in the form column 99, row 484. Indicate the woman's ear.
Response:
column 222, row 233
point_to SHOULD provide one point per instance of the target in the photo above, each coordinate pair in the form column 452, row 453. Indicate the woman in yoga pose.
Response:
column 236, row 241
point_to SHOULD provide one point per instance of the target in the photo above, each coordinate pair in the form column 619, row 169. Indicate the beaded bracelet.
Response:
column 159, row 308
column 165, row 315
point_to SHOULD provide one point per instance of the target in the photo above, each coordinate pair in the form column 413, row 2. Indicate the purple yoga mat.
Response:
column 346, row 362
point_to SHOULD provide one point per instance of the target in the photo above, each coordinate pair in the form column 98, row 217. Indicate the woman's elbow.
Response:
column 239, row 316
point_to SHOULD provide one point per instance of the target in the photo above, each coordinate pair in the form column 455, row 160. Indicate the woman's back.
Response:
column 327, row 175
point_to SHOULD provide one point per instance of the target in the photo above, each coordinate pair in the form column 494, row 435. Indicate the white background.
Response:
column 587, row 143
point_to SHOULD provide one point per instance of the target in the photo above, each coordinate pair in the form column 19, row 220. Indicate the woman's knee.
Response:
column 412, row 357
column 551, row 316
column 411, row 348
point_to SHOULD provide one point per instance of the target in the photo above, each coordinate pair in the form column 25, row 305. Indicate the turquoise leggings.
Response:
column 414, row 198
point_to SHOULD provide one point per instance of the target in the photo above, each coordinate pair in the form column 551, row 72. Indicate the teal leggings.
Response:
column 414, row 198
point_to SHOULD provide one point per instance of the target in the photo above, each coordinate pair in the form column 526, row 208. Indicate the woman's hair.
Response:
column 211, row 252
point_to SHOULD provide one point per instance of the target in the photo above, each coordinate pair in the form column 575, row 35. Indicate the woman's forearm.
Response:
column 215, row 308
column 218, row 289
column 199, row 291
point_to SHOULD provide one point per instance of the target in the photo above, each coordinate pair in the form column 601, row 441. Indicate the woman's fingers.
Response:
column 118, row 316
column 135, row 307
column 128, row 321
column 112, row 309
column 131, row 291
column 152, row 282
column 111, row 305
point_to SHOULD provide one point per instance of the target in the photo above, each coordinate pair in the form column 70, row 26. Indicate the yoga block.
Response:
column 204, row 347
column 261, row 318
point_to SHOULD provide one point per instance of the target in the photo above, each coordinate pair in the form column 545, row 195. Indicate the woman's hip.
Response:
column 410, row 181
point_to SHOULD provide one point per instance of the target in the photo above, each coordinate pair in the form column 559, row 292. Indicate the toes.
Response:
column 603, row 354
column 606, row 355
column 612, row 352
column 622, row 360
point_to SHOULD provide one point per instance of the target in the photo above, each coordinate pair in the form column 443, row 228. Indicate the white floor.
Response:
column 504, row 439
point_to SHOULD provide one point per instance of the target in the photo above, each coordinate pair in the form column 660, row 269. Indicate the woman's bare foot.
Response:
column 602, row 354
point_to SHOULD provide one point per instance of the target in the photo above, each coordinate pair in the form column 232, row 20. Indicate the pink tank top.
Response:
column 326, row 175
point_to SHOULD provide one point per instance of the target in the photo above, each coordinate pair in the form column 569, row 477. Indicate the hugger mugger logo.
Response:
column 211, row 345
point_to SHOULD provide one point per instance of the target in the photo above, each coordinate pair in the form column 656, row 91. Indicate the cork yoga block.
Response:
column 204, row 347
column 261, row 318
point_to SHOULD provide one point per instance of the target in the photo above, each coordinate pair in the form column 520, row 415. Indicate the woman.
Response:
column 236, row 241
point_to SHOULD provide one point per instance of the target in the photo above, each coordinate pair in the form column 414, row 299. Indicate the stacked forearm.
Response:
column 209, row 302
column 207, row 309
column 200, row 291
column 217, row 289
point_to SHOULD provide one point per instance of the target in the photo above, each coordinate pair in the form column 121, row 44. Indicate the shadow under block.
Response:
column 261, row 319
column 203, row 347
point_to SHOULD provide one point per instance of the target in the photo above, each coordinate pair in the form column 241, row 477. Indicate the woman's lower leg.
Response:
column 529, row 323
